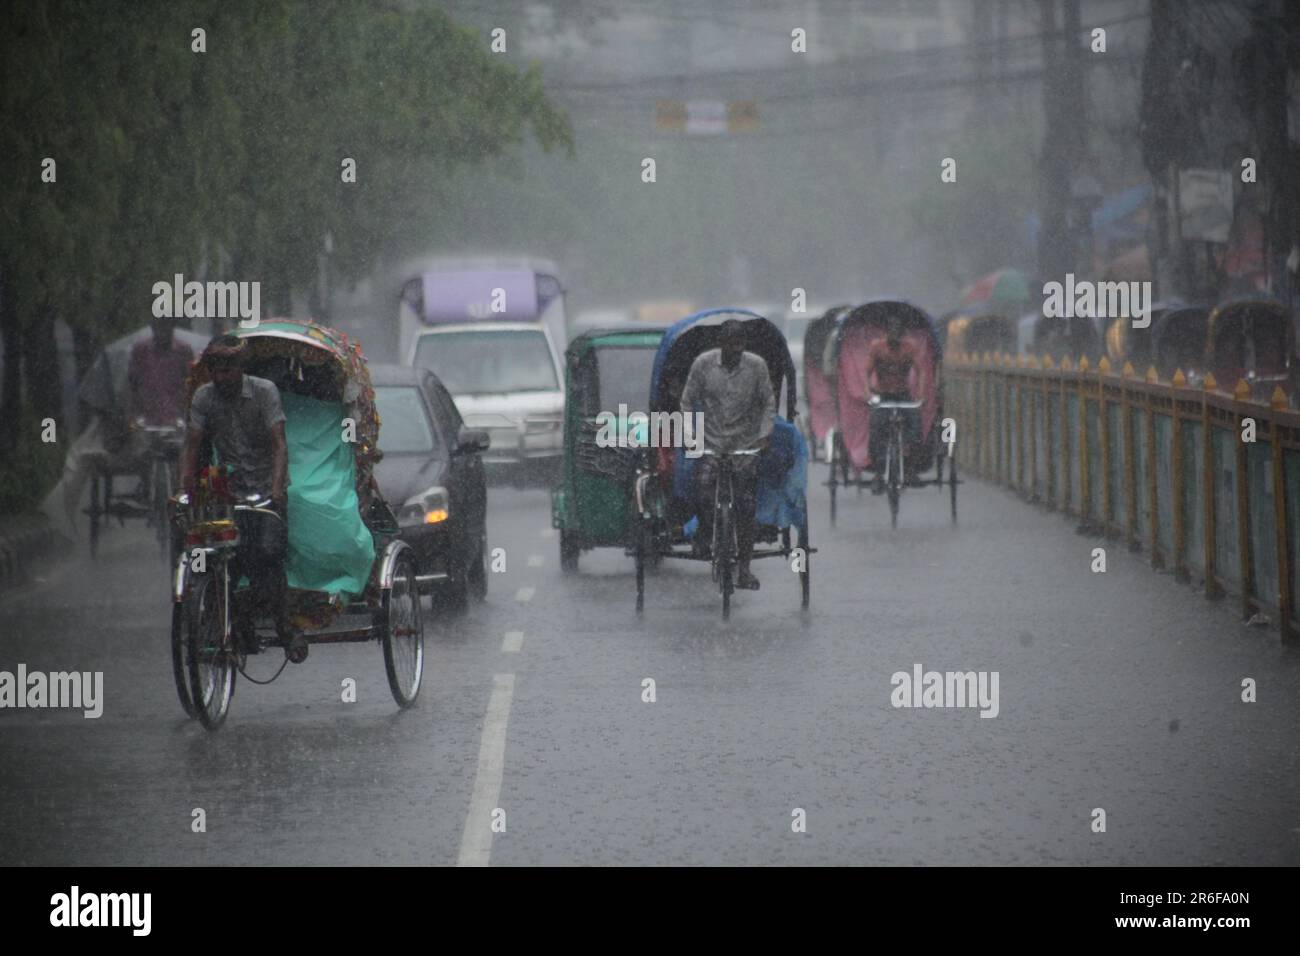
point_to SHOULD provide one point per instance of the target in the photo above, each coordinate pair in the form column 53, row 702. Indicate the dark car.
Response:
column 432, row 475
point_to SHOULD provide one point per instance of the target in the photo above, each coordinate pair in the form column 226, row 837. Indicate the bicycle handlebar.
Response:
column 723, row 454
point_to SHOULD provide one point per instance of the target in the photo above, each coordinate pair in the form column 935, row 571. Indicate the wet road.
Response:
column 1119, row 691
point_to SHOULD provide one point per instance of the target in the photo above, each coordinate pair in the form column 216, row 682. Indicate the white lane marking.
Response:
column 476, row 839
column 513, row 642
column 536, row 560
column 525, row 594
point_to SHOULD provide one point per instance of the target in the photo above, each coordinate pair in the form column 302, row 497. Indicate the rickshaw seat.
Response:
column 782, row 477
column 330, row 547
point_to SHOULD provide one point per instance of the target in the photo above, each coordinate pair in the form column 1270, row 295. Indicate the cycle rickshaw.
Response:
column 350, row 579
column 1173, row 341
column 130, row 466
column 818, row 381
column 851, row 445
column 664, row 488
column 607, row 371
column 1251, row 337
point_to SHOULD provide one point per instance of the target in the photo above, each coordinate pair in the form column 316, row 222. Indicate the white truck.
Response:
column 493, row 330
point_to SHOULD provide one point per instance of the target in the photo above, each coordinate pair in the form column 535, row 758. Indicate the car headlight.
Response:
column 542, row 425
column 428, row 507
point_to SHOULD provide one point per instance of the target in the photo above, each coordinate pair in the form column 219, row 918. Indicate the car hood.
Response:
column 403, row 476
column 497, row 410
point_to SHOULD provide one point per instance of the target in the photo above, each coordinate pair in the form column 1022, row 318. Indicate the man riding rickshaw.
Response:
column 889, row 400
column 134, row 394
column 288, row 541
column 744, row 484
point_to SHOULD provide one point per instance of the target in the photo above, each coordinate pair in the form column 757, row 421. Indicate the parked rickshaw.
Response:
column 1173, row 340
column 130, row 466
column 1251, row 338
column 606, row 371
column 350, row 578
column 980, row 332
column 851, row 449
column 664, row 490
column 818, row 381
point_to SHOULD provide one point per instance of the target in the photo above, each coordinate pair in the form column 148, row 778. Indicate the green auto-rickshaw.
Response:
column 607, row 380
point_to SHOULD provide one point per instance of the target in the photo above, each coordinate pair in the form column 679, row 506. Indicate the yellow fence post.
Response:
column 1103, row 443
column 1278, row 404
column 1153, row 502
column 1066, row 463
column 1129, row 457
column 1049, row 431
column 1179, row 383
column 1085, row 456
column 1035, row 409
column 1209, row 518
column 1246, row 558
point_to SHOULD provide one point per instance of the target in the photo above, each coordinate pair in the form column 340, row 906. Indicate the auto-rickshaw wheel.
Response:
column 570, row 549
column 477, row 577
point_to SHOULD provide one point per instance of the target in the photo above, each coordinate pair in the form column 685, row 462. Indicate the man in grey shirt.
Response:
column 733, row 391
column 240, row 415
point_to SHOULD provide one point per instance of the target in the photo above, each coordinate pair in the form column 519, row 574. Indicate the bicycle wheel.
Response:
column 805, row 582
column 640, row 553
column 181, row 617
column 892, row 480
column 724, row 557
column 162, row 483
column 96, row 482
column 403, row 633
column 211, row 662
column 952, row 485
column 835, row 456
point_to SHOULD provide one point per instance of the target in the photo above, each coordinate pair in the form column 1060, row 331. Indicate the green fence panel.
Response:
column 1263, row 543
column 1227, row 562
column 1291, row 462
column 1193, row 495
column 1119, row 505
column 1164, row 427
column 1092, row 422
column 1072, row 439
column 1040, row 443
column 1140, row 472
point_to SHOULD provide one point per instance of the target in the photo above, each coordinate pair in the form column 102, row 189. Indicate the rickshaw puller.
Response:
column 892, row 360
column 734, row 391
column 242, row 416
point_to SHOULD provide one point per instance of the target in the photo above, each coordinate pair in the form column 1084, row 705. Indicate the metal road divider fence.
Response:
column 1164, row 466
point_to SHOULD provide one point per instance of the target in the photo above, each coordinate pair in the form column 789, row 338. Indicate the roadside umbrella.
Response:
column 1004, row 288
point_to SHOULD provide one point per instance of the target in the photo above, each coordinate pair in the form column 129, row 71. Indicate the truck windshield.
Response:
column 479, row 362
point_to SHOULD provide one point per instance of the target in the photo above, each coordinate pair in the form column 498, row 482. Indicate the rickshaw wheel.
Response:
column 835, row 452
column 640, row 557
column 724, row 561
column 952, row 484
column 403, row 638
column 96, row 482
column 180, row 646
column 210, row 662
column 805, row 584
column 569, row 551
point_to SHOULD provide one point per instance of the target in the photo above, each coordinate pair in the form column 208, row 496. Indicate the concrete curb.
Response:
column 25, row 539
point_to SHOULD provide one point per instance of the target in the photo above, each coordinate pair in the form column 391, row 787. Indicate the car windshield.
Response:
column 625, row 377
column 486, row 361
column 404, row 423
